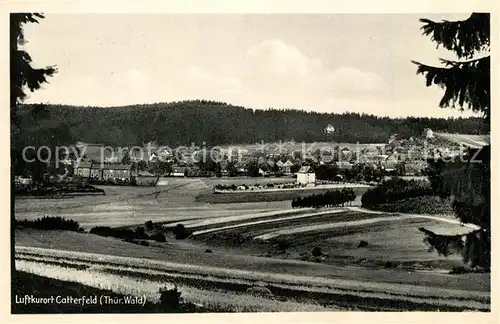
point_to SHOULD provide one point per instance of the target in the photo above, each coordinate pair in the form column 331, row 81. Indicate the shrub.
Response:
column 316, row 252
column 140, row 233
column 283, row 244
column 121, row 233
column 159, row 237
column 170, row 299
column 260, row 291
column 49, row 223
column 149, row 225
column 144, row 243
column 181, row 232
column 362, row 244
column 101, row 230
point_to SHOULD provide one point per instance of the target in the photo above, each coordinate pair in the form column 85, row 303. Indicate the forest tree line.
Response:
column 217, row 123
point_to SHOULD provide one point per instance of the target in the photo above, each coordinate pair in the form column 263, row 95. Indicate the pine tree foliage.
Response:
column 22, row 74
column 466, row 82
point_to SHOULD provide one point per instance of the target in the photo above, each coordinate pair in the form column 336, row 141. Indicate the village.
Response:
column 326, row 162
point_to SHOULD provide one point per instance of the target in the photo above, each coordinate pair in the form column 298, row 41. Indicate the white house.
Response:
column 178, row 172
column 306, row 176
column 329, row 129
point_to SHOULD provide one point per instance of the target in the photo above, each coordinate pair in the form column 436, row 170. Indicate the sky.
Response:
column 317, row 62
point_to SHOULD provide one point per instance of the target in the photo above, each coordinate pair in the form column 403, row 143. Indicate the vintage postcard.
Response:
column 177, row 162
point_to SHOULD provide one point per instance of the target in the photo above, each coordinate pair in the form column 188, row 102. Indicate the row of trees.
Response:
column 217, row 123
column 328, row 199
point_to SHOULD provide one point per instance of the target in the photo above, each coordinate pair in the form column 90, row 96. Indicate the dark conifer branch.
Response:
column 466, row 84
column 465, row 38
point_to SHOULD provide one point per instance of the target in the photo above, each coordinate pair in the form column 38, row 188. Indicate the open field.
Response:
column 180, row 200
column 193, row 254
column 263, row 242
column 123, row 206
column 392, row 240
column 229, row 287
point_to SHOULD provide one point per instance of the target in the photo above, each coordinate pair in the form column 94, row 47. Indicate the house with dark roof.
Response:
column 306, row 176
column 287, row 167
column 82, row 169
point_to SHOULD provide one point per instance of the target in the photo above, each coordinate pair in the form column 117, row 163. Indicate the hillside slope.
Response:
column 217, row 123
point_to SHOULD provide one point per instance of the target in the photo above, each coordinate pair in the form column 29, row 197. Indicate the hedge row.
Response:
column 49, row 223
column 418, row 205
column 395, row 189
column 59, row 189
column 127, row 234
column 327, row 199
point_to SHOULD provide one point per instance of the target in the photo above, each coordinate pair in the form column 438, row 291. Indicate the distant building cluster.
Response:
column 403, row 157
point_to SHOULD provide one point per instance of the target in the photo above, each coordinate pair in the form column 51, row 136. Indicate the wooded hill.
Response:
column 218, row 123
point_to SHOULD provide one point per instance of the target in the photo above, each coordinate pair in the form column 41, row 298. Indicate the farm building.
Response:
column 116, row 171
column 96, row 171
column 82, row 169
column 306, row 176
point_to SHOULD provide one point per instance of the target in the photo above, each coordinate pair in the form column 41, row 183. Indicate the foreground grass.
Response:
column 186, row 253
column 225, row 288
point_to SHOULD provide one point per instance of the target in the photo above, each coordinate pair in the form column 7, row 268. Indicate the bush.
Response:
column 121, row 233
column 140, row 234
column 149, row 225
column 362, row 244
column 283, row 244
column 144, row 243
column 159, row 237
column 49, row 223
column 260, row 291
column 170, row 299
column 181, row 232
column 316, row 252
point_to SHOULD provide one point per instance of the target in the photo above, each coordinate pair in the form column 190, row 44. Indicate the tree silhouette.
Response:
column 22, row 75
column 466, row 83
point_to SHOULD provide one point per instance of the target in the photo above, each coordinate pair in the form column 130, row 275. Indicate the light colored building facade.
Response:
column 306, row 176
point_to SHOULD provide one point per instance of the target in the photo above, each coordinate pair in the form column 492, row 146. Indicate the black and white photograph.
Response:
column 250, row 162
